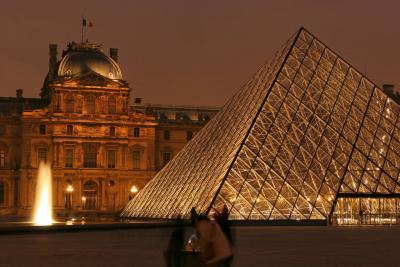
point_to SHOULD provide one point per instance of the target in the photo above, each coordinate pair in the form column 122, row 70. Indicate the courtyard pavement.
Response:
column 255, row 246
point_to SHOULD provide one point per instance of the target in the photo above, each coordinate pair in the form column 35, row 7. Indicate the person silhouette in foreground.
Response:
column 193, row 216
column 175, row 245
column 215, row 249
column 222, row 219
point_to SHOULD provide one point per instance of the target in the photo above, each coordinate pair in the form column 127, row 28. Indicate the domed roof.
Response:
column 79, row 58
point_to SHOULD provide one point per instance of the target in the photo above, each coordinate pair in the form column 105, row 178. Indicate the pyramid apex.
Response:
column 292, row 142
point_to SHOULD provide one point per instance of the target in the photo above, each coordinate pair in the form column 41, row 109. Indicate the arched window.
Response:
column 69, row 103
column 2, row 193
column 111, row 105
column 112, row 131
column 89, row 196
column 70, row 129
column 91, row 104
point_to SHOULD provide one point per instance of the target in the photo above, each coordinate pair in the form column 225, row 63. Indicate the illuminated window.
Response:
column 111, row 159
column 136, row 132
column 166, row 157
column 136, row 159
column 167, row 135
column 42, row 155
column 42, row 129
column 91, row 104
column 111, row 105
column 70, row 129
column 69, row 103
column 2, row 158
column 89, row 155
column 69, row 157
column 189, row 135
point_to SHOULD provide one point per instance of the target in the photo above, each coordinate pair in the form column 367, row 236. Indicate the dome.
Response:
column 82, row 57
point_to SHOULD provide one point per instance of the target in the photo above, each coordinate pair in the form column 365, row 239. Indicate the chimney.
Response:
column 114, row 54
column 20, row 92
column 52, row 61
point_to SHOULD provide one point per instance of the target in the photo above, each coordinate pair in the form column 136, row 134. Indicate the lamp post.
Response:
column 68, row 195
column 83, row 202
column 70, row 189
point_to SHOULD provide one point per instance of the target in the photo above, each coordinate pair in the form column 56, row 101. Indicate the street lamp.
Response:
column 70, row 189
column 68, row 196
column 133, row 190
column 83, row 202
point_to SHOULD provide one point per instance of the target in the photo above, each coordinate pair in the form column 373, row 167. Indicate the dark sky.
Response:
column 194, row 52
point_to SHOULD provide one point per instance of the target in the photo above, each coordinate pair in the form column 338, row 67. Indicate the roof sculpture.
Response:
column 305, row 128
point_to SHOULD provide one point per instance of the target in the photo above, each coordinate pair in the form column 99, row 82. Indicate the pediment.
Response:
column 93, row 79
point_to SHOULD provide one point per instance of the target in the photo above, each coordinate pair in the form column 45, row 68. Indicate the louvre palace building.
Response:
column 102, row 147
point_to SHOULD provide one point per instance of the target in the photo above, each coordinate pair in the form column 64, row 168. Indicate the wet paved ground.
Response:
column 255, row 246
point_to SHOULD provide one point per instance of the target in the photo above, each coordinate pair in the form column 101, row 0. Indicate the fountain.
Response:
column 43, row 209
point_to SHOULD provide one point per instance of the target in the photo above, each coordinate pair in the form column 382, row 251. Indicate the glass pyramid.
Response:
column 307, row 128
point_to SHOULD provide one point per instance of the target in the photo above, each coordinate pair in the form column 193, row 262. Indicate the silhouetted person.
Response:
column 361, row 216
column 222, row 220
column 175, row 246
column 193, row 216
column 214, row 246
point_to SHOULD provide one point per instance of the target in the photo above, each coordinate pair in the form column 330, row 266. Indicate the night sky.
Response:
column 193, row 52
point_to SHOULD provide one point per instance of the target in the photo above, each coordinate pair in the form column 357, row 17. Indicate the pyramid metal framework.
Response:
column 305, row 129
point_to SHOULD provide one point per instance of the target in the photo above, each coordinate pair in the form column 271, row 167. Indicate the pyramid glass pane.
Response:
column 305, row 131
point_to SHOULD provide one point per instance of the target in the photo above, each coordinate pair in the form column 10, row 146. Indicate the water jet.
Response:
column 43, row 209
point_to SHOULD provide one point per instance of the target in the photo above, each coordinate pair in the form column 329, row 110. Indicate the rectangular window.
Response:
column 69, row 157
column 2, row 158
column 112, row 131
column 189, row 135
column 70, row 129
column 89, row 155
column 42, row 155
column 167, row 135
column 136, row 132
column 166, row 157
column 136, row 159
column 111, row 159
column 2, row 193
column 42, row 129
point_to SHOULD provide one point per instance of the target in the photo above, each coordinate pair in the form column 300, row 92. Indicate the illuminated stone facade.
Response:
column 102, row 148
